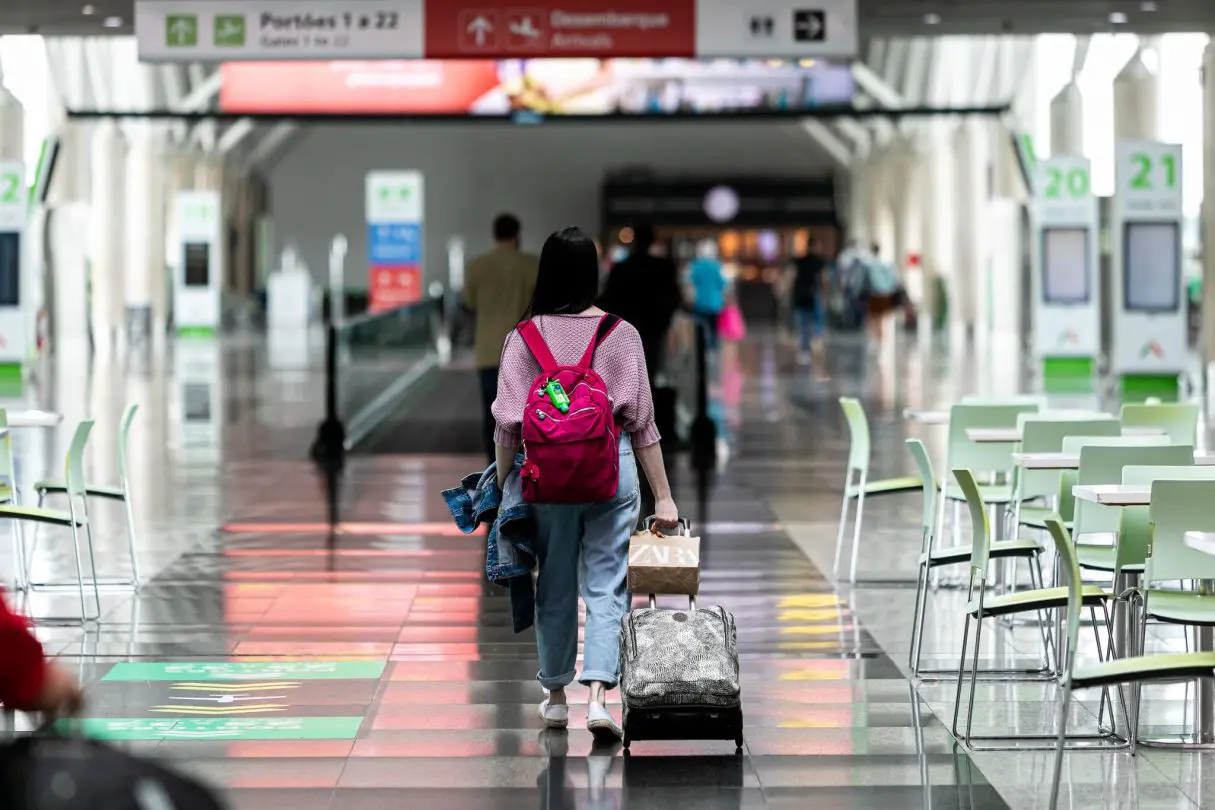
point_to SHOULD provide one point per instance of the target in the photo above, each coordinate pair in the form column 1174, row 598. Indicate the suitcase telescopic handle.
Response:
column 684, row 526
column 691, row 601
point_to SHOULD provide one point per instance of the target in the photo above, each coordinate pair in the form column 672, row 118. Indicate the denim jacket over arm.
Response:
column 509, row 545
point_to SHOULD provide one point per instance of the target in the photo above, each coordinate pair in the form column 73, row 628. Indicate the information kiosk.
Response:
column 14, row 328
column 197, row 273
column 1149, row 326
column 1065, row 277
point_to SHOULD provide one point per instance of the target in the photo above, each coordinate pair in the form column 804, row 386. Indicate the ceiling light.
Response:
column 1147, row 5
column 932, row 19
column 113, row 22
column 1117, row 17
column 89, row 10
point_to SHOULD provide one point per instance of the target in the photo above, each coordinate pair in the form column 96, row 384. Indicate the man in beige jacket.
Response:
column 498, row 290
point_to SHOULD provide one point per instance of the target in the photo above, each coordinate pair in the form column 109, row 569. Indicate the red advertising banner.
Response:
column 467, row 29
column 417, row 86
column 394, row 286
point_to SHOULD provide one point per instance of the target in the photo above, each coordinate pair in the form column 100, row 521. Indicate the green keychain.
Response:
column 556, row 395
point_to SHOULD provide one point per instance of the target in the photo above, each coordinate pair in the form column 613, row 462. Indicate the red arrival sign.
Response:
column 394, row 286
column 471, row 29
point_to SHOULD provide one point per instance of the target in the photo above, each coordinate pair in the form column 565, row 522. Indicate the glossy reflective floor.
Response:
column 372, row 668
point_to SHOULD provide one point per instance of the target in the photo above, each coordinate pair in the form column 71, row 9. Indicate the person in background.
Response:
column 498, row 288
column 643, row 290
column 708, row 282
column 882, row 293
column 808, row 287
column 28, row 681
column 583, row 548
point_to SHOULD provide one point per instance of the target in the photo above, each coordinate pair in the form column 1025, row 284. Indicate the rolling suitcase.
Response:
column 679, row 674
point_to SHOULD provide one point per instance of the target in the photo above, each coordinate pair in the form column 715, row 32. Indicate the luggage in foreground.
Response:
column 679, row 673
column 48, row 771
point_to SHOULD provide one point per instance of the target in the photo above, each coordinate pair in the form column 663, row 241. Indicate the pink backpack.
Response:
column 571, row 455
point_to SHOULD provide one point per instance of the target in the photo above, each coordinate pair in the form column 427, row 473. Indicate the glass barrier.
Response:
column 379, row 356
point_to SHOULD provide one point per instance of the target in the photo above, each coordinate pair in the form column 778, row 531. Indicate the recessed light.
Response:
column 1117, row 17
column 113, row 22
column 89, row 10
column 1147, row 5
column 932, row 19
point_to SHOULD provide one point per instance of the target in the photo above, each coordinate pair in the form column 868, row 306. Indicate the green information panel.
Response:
column 235, row 671
column 226, row 728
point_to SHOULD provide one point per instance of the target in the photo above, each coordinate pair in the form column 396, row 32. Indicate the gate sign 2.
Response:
column 231, row 30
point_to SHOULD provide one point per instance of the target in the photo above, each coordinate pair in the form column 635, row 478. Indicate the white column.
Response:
column 106, row 236
column 1136, row 102
column 143, row 208
column 937, row 220
column 1208, row 204
column 1067, row 122
column 970, row 179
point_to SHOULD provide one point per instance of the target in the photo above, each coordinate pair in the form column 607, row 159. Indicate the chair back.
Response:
column 73, row 477
column 923, row 463
column 1135, row 526
column 980, row 528
column 124, row 432
column 858, row 434
column 7, row 469
column 1103, row 464
column 1041, row 433
column 1017, row 399
column 1179, row 507
column 983, row 458
column 1069, row 569
column 1179, row 420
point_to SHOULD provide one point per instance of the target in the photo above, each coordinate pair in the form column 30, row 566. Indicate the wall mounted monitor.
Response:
column 1151, row 266
column 1066, row 259
column 198, row 264
column 196, row 402
column 10, row 269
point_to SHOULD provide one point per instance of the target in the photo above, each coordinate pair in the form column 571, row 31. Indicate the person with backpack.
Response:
column 574, row 393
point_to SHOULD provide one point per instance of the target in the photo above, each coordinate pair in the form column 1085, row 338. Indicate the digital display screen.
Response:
column 545, row 87
column 196, row 402
column 1065, row 265
column 1151, row 266
column 10, row 269
column 198, row 264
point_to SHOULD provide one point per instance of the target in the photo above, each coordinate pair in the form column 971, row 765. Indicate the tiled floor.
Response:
column 372, row 668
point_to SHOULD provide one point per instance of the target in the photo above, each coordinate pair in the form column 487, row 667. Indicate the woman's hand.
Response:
column 666, row 514
column 61, row 693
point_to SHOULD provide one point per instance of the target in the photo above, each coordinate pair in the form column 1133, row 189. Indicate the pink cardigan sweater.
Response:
column 619, row 360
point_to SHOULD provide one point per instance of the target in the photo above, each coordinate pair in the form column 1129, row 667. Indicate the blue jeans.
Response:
column 584, row 548
column 809, row 323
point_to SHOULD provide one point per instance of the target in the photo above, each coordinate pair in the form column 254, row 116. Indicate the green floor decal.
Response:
column 220, row 729
column 234, row 671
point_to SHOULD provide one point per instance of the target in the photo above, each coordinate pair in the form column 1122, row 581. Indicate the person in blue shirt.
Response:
column 883, row 292
column 708, row 282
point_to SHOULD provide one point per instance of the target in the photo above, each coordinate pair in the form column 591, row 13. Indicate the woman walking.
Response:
column 582, row 548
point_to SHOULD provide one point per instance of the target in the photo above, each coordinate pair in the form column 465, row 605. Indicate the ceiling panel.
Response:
column 878, row 17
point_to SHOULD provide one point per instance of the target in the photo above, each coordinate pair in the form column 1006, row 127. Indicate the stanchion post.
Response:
column 329, row 447
column 704, row 429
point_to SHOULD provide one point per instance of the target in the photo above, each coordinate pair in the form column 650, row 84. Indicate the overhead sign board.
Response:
column 211, row 30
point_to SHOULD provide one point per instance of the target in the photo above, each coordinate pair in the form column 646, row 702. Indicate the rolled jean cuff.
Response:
column 559, row 682
column 590, row 676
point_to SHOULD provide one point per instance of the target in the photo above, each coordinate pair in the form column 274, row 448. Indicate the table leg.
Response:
column 1204, row 719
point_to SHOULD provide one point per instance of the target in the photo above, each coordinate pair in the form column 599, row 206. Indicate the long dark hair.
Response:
column 568, row 279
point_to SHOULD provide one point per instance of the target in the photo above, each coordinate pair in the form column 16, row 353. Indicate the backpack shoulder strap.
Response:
column 536, row 345
column 607, row 325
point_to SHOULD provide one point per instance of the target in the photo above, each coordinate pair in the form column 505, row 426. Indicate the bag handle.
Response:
column 684, row 527
column 536, row 345
column 607, row 324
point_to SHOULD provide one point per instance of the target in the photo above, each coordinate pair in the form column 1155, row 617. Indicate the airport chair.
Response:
column 1096, row 526
column 991, row 461
column 75, row 517
column 120, row 492
column 932, row 558
column 1140, row 669
column 857, row 485
column 1042, row 434
column 1179, row 420
column 980, row 607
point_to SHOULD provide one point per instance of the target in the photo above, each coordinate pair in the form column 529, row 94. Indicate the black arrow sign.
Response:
column 809, row 26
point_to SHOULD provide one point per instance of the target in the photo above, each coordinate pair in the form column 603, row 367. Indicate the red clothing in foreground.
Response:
column 22, row 664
